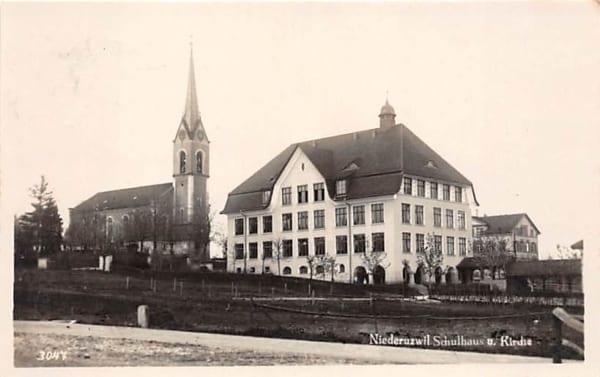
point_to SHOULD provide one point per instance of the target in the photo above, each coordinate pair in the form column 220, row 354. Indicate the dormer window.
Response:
column 340, row 187
column 266, row 196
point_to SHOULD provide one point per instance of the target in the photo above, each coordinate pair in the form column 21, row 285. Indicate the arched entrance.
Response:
column 438, row 275
column 379, row 275
column 451, row 275
column 419, row 275
column 406, row 274
column 360, row 276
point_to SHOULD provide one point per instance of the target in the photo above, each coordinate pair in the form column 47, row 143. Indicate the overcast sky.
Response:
column 92, row 94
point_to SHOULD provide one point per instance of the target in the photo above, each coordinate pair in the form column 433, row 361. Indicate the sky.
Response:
column 508, row 93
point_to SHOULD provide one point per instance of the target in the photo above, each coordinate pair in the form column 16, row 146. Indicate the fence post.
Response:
column 371, row 299
column 174, row 284
column 285, row 288
column 313, row 298
column 556, row 354
column 309, row 288
column 127, row 283
column 151, row 283
column 232, row 289
column 202, row 285
column 272, row 292
column 181, row 288
column 259, row 287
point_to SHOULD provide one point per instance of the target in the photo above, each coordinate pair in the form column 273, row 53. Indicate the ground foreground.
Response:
column 205, row 304
column 41, row 343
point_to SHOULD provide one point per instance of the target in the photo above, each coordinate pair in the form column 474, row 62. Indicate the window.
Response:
column 406, row 242
column 302, row 220
column 407, row 185
column 405, row 213
column 420, row 242
column 287, row 248
column 253, row 250
column 358, row 215
column 239, row 251
column 341, row 268
column 267, row 269
column 378, row 242
column 252, row 270
column 419, row 215
column 340, row 187
column 377, row 213
column 461, row 219
column 341, row 244
column 303, row 194
column 437, row 243
column 303, row 270
column 267, row 249
column 286, row 196
column 437, row 217
column 319, row 192
column 199, row 162
column 319, row 245
column 433, row 190
column 446, row 192
column 239, row 226
column 533, row 247
column 267, row 224
column 302, row 247
column 320, row 270
column 109, row 228
column 449, row 218
column 340, row 217
column 182, row 161
column 252, row 225
column 287, row 270
column 458, row 194
column 450, row 245
column 359, row 243
column 319, row 218
column 286, row 220
column 421, row 188
column 266, row 196
column 462, row 246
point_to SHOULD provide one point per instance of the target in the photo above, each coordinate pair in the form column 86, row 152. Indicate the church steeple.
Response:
column 191, row 116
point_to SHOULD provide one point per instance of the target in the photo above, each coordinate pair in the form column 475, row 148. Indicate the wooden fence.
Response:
column 575, row 322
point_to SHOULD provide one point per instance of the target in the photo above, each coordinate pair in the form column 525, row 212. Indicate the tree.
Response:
column 565, row 252
column 278, row 252
column 492, row 253
column 43, row 224
column 329, row 265
column 371, row 259
column 312, row 261
column 430, row 257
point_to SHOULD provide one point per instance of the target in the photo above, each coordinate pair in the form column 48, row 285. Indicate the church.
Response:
column 172, row 217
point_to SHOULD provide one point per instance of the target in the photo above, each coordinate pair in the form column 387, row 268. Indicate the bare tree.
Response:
column 431, row 256
column 370, row 260
column 565, row 252
column 312, row 261
column 329, row 265
column 492, row 253
column 278, row 252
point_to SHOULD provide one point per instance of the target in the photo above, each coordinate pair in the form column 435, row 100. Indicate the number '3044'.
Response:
column 51, row 355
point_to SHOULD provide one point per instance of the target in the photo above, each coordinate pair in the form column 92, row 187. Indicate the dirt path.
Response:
column 216, row 349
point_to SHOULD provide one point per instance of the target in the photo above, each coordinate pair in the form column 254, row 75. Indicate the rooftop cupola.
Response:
column 387, row 116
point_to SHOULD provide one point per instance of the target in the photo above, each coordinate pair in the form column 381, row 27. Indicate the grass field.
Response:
column 212, row 304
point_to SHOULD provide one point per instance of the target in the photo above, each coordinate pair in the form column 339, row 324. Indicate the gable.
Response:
column 373, row 161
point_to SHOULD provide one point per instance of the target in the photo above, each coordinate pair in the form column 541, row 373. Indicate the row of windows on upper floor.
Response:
column 183, row 162
column 521, row 231
column 285, row 248
column 341, row 190
column 358, row 218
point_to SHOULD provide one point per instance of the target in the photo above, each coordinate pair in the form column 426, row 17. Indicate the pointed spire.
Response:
column 191, row 116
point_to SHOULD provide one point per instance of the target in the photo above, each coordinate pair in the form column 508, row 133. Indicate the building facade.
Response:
column 517, row 230
column 380, row 192
column 169, row 217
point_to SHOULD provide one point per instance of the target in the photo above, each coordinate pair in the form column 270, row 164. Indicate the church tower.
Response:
column 191, row 157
